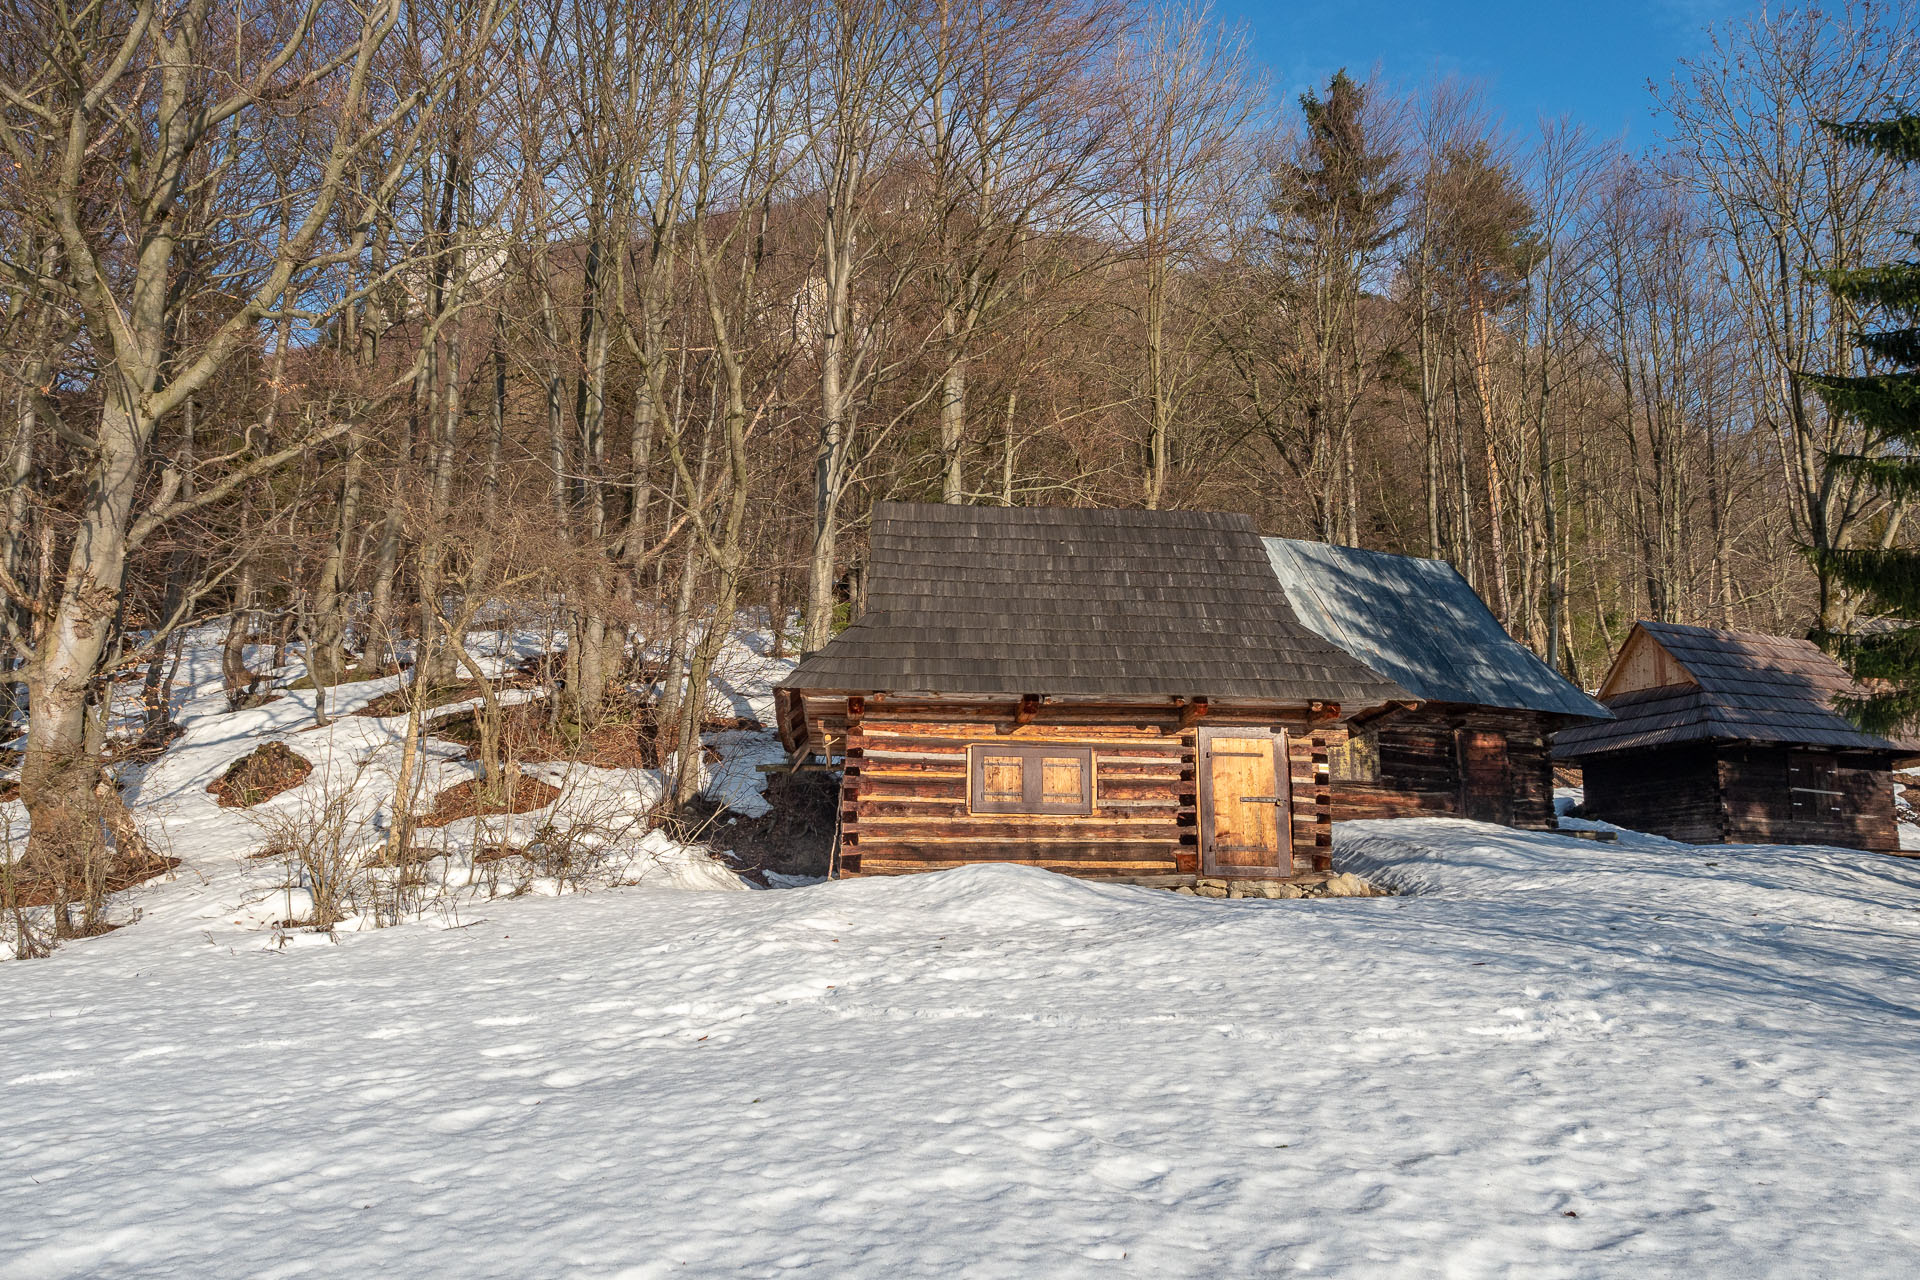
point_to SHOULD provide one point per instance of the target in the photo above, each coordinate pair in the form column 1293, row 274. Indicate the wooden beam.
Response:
column 1191, row 712
column 797, row 758
column 1023, row 714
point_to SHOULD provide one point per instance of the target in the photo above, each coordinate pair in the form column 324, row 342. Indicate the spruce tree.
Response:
column 1885, row 400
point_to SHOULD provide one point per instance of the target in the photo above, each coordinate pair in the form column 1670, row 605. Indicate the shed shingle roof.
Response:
column 1088, row 603
column 1419, row 623
column 1751, row 688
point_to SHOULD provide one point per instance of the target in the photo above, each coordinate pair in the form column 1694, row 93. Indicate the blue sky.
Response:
column 1589, row 60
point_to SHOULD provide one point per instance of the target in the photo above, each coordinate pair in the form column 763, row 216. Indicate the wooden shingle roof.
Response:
column 1080, row 603
column 1420, row 623
column 1723, row 686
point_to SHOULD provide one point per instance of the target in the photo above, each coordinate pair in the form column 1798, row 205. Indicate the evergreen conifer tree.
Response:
column 1886, row 401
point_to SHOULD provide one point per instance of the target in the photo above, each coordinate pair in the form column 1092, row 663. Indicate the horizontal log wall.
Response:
column 1673, row 792
column 904, row 794
column 1420, row 767
column 1757, row 803
column 1529, row 764
column 1741, row 795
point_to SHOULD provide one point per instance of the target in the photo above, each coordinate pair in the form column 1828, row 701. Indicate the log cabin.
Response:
column 1478, row 745
column 1112, row 694
column 1726, row 737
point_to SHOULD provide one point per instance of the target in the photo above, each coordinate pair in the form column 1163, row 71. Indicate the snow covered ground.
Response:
column 1547, row 1057
column 221, row 890
column 1551, row 1057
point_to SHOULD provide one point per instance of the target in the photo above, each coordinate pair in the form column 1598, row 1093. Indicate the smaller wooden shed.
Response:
column 1477, row 746
column 1107, row 693
column 1729, row 737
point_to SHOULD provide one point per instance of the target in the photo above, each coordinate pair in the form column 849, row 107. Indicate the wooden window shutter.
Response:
column 1029, row 779
column 999, row 781
column 1813, row 782
column 1064, row 782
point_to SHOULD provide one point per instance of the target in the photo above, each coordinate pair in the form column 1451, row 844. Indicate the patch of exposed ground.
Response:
column 395, row 702
column 623, row 736
column 794, row 838
column 496, row 853
column 261, row 774
column 122, row 873
column 470, row 800
column 145, row 749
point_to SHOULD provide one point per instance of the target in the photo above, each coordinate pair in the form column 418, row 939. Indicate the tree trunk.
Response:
column 953, row 432
column 14, row 532
column 326, row 639
column 830, row 452
column 1159, row 456
column 58, row 781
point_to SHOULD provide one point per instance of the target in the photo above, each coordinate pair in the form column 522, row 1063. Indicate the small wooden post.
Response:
column 1191, row 712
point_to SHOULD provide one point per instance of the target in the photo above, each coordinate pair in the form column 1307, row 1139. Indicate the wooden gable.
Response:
column 1645, row 663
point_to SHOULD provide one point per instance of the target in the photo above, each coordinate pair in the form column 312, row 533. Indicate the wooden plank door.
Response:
column 1486, row 778
column 1813, row 787
column 1246, row 826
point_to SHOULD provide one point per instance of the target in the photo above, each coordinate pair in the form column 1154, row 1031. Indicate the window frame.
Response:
column 1815, row 766
column 1032, row 780
column 1362, row 746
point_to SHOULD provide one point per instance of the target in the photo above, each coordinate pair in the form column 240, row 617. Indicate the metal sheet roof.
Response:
column 1750, row 688
column 1077, row 602
column 1419, row 623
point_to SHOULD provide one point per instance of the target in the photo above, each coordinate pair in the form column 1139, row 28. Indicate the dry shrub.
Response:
column 623, row 736
column 332, row 847
column 586, row 838
column 25, row 931
column 327, row 840
column 90, row 847
column 260, row 775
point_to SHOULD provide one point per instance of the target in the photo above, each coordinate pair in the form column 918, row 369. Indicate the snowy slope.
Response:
column 1551, row 1058
column 223, row 895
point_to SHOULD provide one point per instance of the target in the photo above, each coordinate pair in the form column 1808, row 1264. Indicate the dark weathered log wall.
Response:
column 1757, row 789
column 815, row 722
column 1420, row 771
column 1672, row 792
column 1719, row 794
column 904, row 795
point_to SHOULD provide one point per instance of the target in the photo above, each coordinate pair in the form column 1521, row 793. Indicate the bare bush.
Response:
column 21, row 928
column 328, row 841
column 588, row 837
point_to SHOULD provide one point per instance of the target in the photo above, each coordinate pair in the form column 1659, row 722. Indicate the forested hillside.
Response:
column 354, row 326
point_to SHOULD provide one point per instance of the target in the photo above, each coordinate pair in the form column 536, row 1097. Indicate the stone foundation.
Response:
column 1337, row 884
